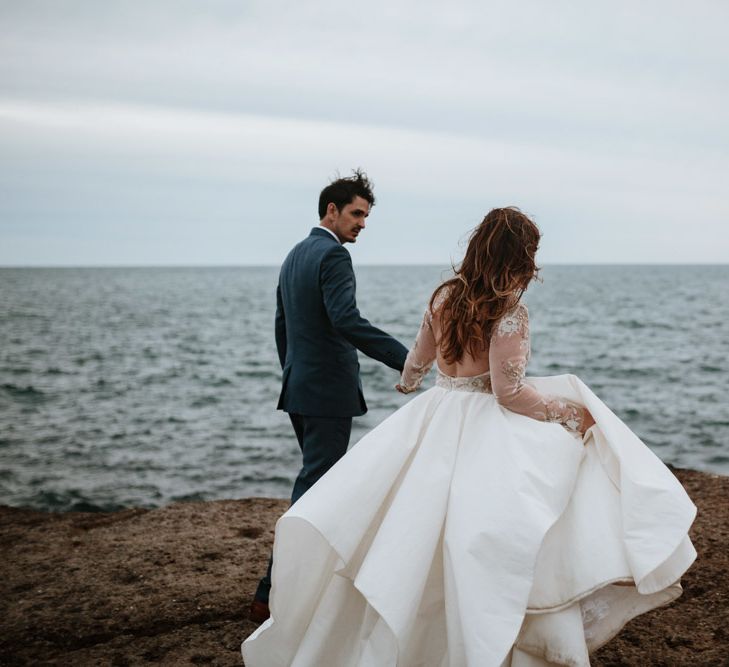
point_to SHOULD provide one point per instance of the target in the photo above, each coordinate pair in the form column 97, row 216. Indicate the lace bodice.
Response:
column 508, row 354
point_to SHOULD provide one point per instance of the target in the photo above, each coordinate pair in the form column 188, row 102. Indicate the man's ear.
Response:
column 332, row 211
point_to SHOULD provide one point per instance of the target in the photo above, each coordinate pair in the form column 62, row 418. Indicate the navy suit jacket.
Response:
column 319, row 330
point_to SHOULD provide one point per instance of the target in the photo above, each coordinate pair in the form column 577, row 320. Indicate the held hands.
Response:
column 404, row 390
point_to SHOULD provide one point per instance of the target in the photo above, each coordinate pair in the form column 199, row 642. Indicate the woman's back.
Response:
column 469, row 364
column 504, row 358
column 428, row 347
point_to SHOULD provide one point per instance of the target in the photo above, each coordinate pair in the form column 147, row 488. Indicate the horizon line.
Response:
column 365, row 264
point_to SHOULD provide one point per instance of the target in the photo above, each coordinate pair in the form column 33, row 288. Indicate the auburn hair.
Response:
column 498, row 267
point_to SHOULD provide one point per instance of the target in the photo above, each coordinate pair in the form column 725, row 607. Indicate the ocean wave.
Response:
column 17, row 370
column 636, row 372
column 256, row 374
column 204, row 401
column 69, row 500
column 196, row 496
column 643, row 324
column 218, row 382
column 82, row 360
column 266, row 479
column 54, row 370
column 27, row 394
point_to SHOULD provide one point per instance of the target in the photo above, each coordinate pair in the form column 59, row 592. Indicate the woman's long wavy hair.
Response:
column 498, row 267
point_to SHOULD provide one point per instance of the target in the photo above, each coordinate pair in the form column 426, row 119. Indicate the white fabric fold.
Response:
column 457, row 533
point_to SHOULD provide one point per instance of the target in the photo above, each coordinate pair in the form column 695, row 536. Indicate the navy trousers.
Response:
column 323, row 441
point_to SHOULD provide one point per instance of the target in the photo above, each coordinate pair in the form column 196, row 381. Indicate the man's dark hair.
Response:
column 343, row 191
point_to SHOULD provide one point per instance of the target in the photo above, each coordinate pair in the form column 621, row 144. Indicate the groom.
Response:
column 318, row 332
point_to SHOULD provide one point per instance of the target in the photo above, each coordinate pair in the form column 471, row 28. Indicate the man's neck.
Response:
column 331, row 231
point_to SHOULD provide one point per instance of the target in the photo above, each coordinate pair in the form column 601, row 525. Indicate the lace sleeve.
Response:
column 420, row 357
column 508, row 356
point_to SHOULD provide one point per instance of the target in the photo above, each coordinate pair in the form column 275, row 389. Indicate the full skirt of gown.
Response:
column 460, row 534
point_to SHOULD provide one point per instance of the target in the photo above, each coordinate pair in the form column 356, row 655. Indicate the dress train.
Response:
column 458, row 533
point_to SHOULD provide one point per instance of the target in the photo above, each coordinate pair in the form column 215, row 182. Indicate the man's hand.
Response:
column 404, row 390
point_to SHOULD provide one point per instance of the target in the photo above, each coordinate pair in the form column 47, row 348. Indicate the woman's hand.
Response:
column 403, row 390
column 587, row 422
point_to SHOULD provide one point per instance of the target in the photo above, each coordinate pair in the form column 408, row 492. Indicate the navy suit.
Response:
column 318, row 332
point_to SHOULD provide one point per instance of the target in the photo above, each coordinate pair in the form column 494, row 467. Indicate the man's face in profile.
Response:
column 350, row 221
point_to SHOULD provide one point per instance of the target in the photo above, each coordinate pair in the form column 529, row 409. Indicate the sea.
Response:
column 138, row 387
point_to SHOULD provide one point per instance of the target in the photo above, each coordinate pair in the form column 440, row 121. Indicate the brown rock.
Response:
column 172, row 586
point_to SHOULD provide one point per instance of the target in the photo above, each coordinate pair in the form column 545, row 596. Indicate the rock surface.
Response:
column 172, row 586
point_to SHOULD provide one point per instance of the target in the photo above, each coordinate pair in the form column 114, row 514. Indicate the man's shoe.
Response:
column 259, row 611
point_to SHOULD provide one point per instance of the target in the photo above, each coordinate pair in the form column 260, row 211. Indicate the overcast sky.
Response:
column 188, row 132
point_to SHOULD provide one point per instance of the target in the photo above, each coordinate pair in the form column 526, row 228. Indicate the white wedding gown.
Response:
column 459, row 532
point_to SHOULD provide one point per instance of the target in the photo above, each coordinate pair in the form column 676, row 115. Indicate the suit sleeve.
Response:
column 338, row 294
column 280, row 328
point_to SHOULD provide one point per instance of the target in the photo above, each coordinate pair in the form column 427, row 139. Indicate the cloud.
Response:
column 211, row 145
column 607, row 122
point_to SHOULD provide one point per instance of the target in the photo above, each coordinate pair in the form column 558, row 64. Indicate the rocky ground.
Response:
column 172, row 586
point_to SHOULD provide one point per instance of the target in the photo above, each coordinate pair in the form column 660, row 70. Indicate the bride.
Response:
column 494, row 520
